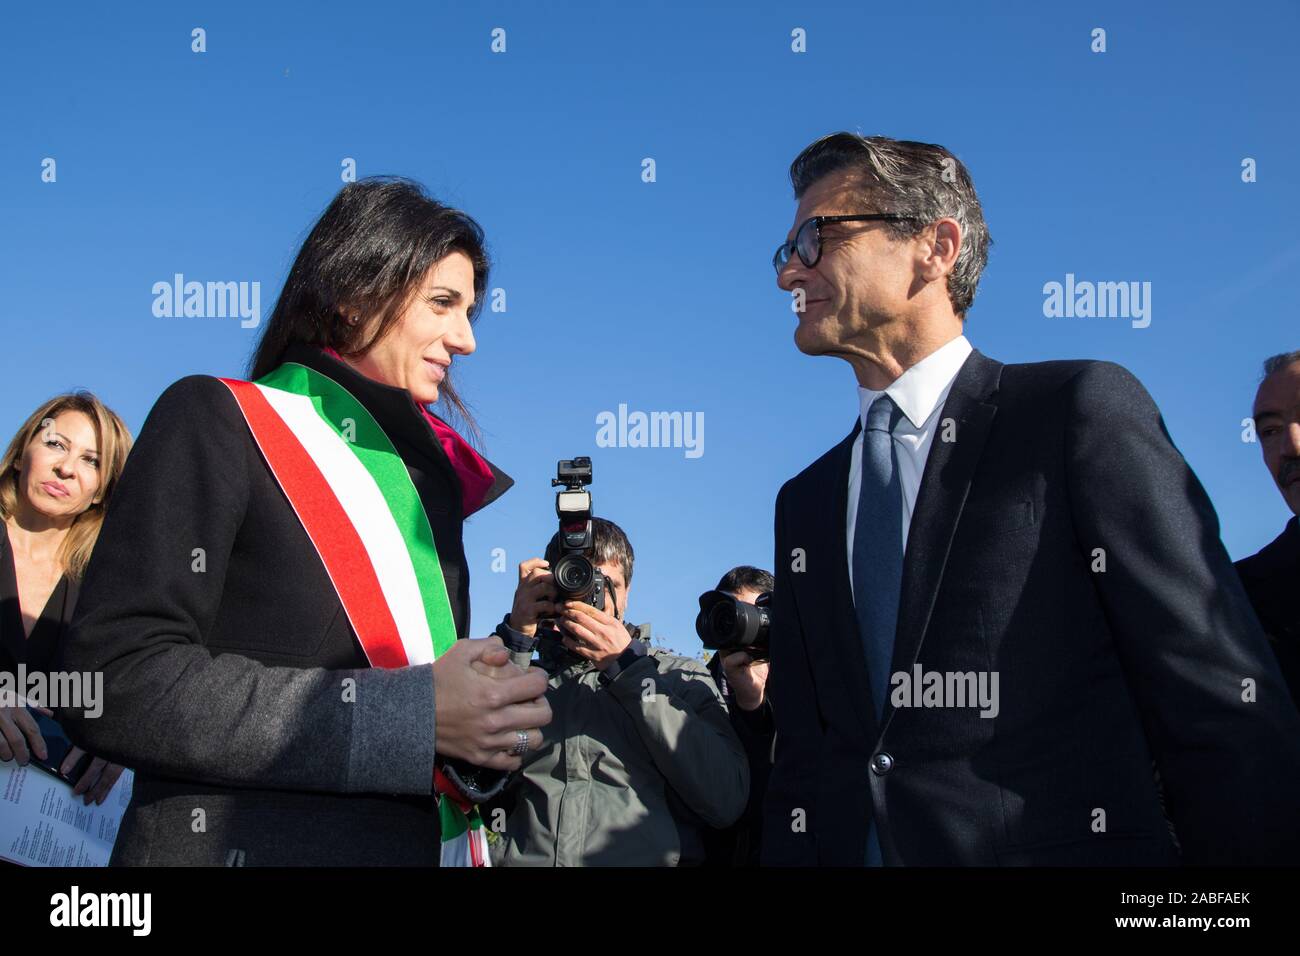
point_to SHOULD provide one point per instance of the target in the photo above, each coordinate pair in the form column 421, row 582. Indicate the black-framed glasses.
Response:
column 808, row 239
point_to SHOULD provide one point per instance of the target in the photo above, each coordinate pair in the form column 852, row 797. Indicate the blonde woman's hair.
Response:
column 113, row 441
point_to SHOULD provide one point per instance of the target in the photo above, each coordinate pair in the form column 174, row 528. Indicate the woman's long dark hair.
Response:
column 368, row 254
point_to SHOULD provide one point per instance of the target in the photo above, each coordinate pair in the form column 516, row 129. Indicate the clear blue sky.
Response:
column 1115, row 166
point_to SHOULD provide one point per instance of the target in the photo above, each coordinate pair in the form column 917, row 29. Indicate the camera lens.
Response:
column 574, row 575
column 722, row 621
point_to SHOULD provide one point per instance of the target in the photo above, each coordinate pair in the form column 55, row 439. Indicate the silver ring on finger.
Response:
column 521, row 745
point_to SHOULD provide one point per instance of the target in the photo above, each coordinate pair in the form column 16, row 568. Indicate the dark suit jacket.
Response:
column 224, row 683
column 1272, row 580
column 1099, row 671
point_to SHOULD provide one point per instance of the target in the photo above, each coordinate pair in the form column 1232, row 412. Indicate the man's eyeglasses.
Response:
column 808, row 240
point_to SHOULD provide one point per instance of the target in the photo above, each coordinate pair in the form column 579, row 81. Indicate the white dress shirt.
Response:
column 920, row 393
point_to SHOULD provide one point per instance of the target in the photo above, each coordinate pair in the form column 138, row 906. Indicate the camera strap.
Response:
column 354, row 497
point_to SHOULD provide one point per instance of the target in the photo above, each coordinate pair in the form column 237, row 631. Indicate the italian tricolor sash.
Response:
column 354, row 497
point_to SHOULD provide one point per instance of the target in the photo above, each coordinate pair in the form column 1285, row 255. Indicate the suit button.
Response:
column 881, row 764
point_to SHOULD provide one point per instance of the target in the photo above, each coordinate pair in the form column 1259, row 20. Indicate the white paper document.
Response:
column 43, row 824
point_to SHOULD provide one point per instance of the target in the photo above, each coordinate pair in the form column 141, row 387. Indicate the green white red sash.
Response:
column 354, row 497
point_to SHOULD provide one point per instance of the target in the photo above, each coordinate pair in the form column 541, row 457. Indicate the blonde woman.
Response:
column 55, row 480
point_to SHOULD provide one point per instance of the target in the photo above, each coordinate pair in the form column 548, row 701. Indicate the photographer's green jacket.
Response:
column 631, row 771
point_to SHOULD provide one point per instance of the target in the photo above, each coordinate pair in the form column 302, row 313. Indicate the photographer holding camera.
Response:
column 640, row 759
column 733, row 621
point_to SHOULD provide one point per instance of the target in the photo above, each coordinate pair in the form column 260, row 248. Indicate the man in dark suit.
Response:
column 1272, row 576
column 1002, row 596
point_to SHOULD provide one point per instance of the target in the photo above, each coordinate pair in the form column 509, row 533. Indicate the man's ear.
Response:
column 945, row 246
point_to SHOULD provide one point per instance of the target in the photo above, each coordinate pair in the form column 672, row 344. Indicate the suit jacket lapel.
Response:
column 944, row 484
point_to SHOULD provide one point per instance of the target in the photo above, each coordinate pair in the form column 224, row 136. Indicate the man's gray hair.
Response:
column 1275, row 363
column 918, row 179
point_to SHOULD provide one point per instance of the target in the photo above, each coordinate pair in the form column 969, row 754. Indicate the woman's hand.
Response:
column 534, row 597
column 481, row 699
column 19, row 735
column 97, row 780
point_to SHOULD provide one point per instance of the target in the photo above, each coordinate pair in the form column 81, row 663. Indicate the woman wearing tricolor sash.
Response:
column 279, row 597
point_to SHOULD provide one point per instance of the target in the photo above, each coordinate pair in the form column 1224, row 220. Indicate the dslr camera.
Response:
column 576, row 577
column 726, row 624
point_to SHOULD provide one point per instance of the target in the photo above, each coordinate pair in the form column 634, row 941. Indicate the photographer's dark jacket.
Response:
column 739, row 844
column 234, row 684
column 632, row 770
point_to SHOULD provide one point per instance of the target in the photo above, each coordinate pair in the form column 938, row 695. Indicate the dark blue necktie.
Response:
column 878, row 560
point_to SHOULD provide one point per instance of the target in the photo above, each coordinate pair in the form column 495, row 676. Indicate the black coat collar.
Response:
column 398, row 414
